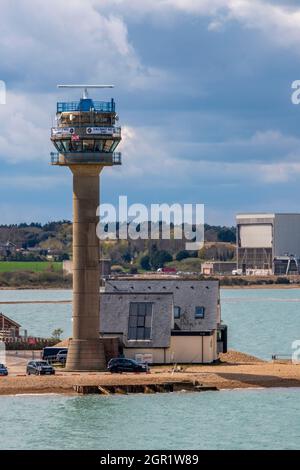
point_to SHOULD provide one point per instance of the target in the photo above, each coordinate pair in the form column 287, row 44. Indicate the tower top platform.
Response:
column 85, row 131
column 86, row 105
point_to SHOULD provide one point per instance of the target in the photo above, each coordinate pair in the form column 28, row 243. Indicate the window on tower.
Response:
column 76, row 146
column 65, row 145
column 88, row 145
column 107, row 145
column 98, row 145
column 114, row 145
column 59, row 146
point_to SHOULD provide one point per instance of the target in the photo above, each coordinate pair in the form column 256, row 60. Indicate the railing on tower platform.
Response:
column 115, row 158
column 102, row 106
column 54, row 156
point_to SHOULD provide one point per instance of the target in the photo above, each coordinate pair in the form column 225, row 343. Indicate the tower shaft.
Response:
column 86, row 350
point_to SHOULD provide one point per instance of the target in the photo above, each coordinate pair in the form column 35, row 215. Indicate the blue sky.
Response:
column 203, row 90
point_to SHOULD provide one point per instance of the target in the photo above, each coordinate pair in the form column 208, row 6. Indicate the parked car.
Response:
column 237, row 272
column 39, row 368
column 62, row 356
column 3, row 370
column 121, row 364
column 50, row 353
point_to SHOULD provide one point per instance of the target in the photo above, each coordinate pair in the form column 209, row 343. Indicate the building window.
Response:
column 199, row 312
column 140, row 319
column 176, row 312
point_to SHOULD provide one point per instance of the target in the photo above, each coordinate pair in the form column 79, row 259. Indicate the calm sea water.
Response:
column 261, row 322
column 39, row 319
column 244, row 419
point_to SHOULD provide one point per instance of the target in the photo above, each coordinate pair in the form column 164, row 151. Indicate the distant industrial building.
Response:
column 222, row 268
column 164, row 321
column 286, row 265
column 268, row 243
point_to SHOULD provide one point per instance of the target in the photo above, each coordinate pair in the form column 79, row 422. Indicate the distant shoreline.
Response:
column 35, row 288
column 264, row 286
column 13, row 302
column 236, row 287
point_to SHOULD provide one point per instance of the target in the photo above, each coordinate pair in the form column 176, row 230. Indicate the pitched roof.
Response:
column 8, row 319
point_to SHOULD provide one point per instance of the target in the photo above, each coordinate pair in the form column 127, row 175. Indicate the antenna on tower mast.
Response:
column 85, row 88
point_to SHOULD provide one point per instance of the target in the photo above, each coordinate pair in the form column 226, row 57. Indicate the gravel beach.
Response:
column 236, row 370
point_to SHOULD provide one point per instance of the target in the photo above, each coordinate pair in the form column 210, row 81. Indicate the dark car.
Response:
column 121, row 364
column 3, row 370
column 39, row 368
column 50, row 353
column 62, row 356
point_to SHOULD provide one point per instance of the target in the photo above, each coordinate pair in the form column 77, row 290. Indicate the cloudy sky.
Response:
column 203, row 90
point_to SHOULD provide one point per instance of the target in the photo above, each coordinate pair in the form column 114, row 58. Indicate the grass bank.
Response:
column 34, row 280
column 33, row 266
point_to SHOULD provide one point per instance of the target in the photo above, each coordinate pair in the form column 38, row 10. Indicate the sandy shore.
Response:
column 226, row 375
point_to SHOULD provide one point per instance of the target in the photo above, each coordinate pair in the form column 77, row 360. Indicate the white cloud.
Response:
column 24, row 132
column 149, row 156
column 280, row 172
column 43, row 43
column 279, row 22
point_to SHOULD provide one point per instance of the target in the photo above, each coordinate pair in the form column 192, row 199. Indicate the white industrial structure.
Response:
column 264, row 238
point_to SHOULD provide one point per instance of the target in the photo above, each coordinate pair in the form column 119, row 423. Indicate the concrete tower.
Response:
column 85, row 138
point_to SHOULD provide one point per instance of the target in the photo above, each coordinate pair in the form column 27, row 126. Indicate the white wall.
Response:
column 256, row 236
column 182, row 350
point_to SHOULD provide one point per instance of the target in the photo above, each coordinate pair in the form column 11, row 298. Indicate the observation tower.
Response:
column 85, row 138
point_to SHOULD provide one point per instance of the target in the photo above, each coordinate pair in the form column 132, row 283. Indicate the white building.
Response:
column 263, row 237
column 168, row 320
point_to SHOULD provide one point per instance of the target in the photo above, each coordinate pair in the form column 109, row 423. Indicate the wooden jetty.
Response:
column 125, row 389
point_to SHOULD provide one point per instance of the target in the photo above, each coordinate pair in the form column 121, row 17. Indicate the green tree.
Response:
column 182, row 255
column 56, row 334
column 159, row 258
column 127, row 257
column 133, row 270
column 64, row 257
column 202, row 253
column 145, row 263
column 227, row 235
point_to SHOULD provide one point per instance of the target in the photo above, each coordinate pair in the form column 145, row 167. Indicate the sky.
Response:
column 202, row 88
